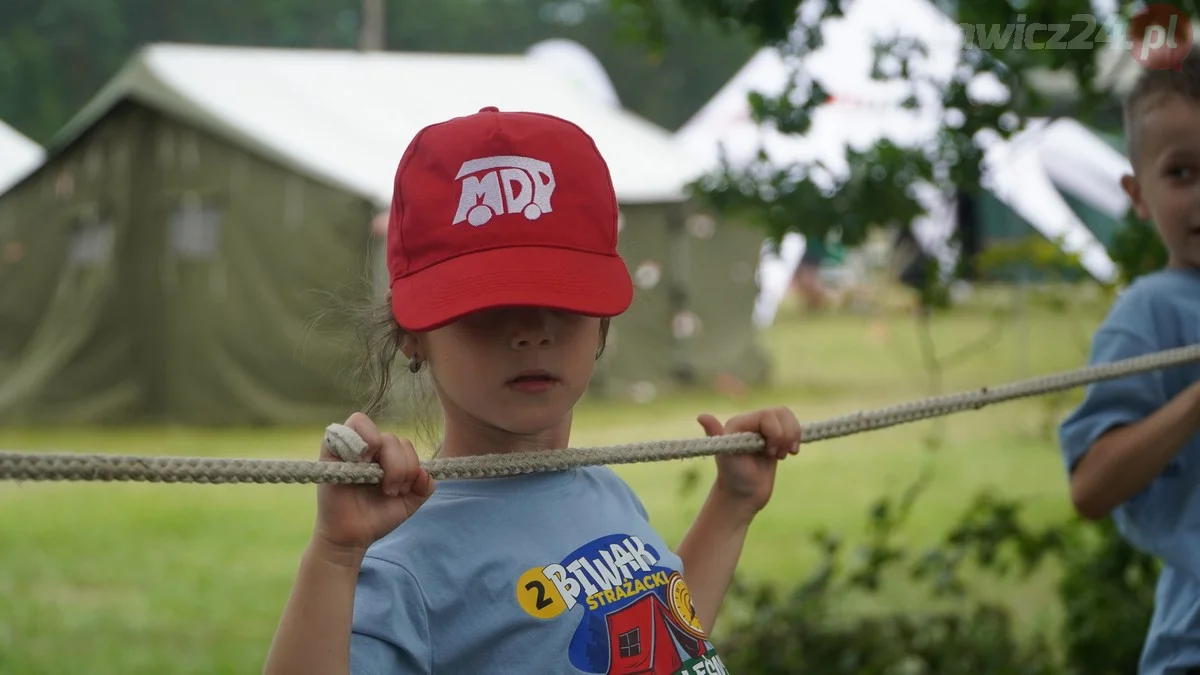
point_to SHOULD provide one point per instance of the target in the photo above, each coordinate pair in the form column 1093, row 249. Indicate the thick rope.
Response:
column 38, row 466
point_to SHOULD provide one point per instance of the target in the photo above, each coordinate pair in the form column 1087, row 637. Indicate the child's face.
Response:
column 478, row 362
column 1166, row 188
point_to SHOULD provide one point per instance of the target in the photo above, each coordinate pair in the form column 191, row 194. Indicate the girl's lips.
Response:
column 533, row 384
column 533, row 381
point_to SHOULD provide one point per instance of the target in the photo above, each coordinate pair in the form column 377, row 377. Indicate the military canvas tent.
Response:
column 862, row 111
column 690, row 268
column 18, row 157
column 205, row 206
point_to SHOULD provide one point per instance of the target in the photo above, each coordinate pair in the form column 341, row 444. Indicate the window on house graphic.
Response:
column 629, row 643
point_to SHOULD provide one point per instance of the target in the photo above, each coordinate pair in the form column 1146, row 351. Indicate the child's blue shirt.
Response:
column 1159, row 311
column 546, row 573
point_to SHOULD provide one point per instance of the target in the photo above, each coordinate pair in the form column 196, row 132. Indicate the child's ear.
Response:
column 1134, row 191
column 408, row 345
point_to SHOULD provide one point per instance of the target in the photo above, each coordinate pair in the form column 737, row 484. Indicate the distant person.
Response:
column 917, row 270
column 502, row 253
column 807, row 281
column 1131, row 448
column 918, row 266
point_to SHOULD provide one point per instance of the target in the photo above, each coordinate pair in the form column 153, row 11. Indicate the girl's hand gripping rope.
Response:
column 352, row 517
column 749, row 479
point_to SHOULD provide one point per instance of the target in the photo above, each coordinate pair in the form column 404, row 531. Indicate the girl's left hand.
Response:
column 750, row 478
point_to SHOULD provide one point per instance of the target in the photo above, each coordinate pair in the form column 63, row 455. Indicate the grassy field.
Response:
column 128, row 578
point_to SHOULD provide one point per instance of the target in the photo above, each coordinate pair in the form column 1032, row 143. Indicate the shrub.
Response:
column 1106, row 591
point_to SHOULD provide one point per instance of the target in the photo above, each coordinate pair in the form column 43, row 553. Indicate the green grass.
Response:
column 138, row 578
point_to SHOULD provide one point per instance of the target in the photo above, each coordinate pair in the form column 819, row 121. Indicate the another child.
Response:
column 502, row 249
column 1131, row 447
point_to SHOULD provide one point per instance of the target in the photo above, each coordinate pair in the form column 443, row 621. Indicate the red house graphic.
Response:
column 646, row 639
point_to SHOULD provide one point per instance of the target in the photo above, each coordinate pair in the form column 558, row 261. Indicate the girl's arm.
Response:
column 712, row 547
column 314, row 633
column 710, row 551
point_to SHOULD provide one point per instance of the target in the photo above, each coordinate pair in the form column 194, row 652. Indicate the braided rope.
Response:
column 38, row 466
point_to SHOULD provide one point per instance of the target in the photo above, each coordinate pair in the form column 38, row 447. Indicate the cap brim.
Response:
column 584, row 283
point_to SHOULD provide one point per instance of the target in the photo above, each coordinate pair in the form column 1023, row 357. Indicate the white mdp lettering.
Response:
column 512, row 184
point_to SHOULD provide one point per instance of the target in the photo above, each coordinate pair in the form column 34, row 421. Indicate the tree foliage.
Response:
column 56, row 54
column 880, row 187
column 1106, row 587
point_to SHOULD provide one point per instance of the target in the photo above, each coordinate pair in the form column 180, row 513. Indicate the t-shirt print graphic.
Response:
column 635, row 614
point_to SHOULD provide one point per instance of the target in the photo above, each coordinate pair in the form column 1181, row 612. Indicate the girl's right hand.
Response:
column 352, row 517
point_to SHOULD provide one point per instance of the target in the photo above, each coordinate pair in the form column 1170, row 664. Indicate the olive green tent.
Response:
column 194, row 219
column 170, row 275
column 691, row 320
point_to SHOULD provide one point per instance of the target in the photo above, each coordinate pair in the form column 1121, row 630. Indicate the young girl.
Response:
column 502, row 250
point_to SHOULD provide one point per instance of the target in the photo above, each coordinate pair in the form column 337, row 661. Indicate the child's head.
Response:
column 1162, row 127
column 502, row 255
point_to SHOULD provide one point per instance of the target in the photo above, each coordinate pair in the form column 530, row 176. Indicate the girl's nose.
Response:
column 531, row 326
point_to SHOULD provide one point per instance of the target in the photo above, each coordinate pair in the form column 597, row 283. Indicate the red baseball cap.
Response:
column 503, row 209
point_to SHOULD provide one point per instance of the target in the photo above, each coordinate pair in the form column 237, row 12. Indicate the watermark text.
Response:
column 1157, row 36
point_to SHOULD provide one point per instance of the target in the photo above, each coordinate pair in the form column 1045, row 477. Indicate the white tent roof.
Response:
column 18, row 156
column 1018, row 175
column 576, row 62
column 1080, row 162
column 347, row 116
column 865, row 110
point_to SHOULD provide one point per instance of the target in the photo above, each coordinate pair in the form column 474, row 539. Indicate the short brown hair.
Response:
column 1151, row 88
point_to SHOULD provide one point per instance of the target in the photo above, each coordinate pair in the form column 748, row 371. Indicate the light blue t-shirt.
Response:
column 1158, row 311
column 545, row 573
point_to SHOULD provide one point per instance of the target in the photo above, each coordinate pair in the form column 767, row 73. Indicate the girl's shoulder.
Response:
column 608, row 479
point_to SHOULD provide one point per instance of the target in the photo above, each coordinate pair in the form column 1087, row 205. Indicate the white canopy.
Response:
column 1085, row 165
column 864, row 110
column 1019, row 176
column 576, row 62
column 18, row 156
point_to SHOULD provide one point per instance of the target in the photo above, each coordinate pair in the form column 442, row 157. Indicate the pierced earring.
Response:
column 414, row 366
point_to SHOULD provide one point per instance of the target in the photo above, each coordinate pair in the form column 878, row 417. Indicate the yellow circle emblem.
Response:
column 538, row 596
column 680, row 599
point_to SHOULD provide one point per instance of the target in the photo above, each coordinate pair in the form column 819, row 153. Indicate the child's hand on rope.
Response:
column 750, row 478
column 352, row 517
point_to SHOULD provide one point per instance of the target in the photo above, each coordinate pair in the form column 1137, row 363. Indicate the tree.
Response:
column 879, row 187
column 56, row 54
column 1107, row 587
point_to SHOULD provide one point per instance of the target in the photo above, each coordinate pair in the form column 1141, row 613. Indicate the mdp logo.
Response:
column 1160, row 36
